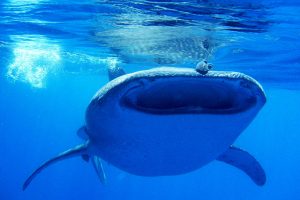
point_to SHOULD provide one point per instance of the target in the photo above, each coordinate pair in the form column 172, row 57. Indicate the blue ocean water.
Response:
column 54, row 56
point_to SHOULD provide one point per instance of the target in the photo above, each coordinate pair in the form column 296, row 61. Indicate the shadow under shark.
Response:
column 168, row 121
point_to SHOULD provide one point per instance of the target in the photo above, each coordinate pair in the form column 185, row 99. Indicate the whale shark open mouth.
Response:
column 189, row 95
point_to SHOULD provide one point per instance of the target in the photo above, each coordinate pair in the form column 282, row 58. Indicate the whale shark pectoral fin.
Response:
column 81, row 132
column 245, row 162
column 115, row 71
column 76, row 151
column 99, row 169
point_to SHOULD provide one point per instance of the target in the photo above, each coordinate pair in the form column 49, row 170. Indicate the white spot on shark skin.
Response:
column 34, row 58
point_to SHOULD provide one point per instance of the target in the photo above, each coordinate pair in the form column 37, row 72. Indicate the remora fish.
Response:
column 169, row 121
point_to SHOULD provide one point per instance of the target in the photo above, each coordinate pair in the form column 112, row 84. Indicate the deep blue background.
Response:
column 37, row 123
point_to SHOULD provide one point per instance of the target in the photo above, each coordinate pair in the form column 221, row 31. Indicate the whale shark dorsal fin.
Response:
column 76, row 151
column 245, row 162
column 115, row 71
column 82, row 133
column 99, row 169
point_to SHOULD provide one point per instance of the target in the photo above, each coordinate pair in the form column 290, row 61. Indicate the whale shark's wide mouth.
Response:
column 175, row 95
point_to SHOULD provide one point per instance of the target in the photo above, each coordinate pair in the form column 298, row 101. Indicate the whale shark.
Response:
column 168, row 121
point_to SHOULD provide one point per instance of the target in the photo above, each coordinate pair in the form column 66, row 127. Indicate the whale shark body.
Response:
column 168, row 121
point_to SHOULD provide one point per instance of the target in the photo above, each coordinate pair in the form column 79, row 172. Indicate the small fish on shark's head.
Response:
column 203, row 67
column 168, row 121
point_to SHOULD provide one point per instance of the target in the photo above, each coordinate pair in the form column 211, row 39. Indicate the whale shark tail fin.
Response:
column 76, row 151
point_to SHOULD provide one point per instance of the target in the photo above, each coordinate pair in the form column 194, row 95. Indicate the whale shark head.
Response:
column 168, row 90
column 137, row 119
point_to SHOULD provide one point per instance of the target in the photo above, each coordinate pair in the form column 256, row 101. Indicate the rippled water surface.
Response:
column 54, row 56
column 256, row 37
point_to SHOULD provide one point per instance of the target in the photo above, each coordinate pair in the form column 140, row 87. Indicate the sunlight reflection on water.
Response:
column 33, row 60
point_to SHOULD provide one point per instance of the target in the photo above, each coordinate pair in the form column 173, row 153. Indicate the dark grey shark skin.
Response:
column 169, row 121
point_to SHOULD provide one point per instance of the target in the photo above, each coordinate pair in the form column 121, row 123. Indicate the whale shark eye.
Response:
column 186, row 96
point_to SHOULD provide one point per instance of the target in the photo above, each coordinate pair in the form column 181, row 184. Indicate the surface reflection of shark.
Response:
column 160, row 45
column 172, row 32
column 169, row 121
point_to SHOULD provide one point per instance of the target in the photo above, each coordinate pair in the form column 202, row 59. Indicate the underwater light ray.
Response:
column 33, row 60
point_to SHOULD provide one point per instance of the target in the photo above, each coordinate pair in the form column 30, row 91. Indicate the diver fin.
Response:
column 76, row 151
column 245, row 162
column 99, row 169
column 115, row 71
column 82, row 133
